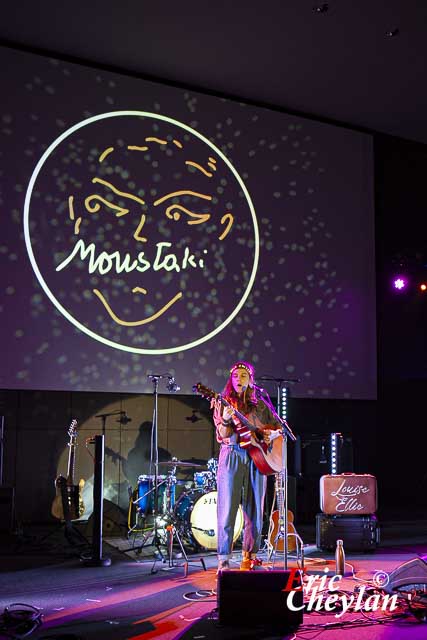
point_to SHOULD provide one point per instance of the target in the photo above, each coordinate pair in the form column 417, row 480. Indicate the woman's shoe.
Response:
column 249, row 561
column 246, row 563
column 223, row 565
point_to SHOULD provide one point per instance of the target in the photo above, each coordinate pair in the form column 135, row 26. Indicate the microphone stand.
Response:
column 104, row 417
column 286, row 433
column 170, row 528
column 154, row 453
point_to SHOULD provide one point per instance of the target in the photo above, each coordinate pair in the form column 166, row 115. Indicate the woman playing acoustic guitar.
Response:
column 238, row 478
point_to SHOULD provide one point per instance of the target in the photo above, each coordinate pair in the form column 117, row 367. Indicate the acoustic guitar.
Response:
column 267, row 458
column 276, row 537
column 68, row 503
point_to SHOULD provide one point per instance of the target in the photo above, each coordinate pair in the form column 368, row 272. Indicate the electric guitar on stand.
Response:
column 68, row 503
column 267, row 458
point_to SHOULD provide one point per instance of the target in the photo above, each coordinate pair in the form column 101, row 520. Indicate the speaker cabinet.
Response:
column 114, row 523
column 7, row 509
column 260, row 598
column 359, row 533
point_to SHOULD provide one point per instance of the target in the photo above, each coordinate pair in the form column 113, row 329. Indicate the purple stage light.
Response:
column 400, row 283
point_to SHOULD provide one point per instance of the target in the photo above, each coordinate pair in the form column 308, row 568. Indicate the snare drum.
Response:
column 144, row 501
column 196, row 511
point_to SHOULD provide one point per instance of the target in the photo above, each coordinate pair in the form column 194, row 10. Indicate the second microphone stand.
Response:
column 282, row 485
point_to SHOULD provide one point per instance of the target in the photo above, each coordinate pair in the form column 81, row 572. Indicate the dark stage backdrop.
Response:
column 150, row 229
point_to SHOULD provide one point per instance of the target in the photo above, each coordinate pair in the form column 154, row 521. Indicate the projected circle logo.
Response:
column 141, row 232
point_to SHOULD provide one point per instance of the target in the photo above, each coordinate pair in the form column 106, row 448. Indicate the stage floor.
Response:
column 141, row 597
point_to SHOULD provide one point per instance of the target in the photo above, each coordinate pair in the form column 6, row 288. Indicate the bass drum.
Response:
column 196, row 512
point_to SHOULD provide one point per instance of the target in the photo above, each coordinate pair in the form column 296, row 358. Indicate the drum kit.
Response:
column 192, row 514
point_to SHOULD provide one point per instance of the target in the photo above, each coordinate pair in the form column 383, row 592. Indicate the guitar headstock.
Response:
column 205, row 392
column 72, row 430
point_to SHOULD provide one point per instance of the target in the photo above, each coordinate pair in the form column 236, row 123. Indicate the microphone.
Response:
column 209, row 532
column 123, row 418
column 171, row 385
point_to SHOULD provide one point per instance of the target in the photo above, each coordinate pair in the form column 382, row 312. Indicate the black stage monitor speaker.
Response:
column 260, row 598
column 114, row 523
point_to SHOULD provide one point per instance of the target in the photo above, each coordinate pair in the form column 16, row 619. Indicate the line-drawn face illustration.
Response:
column 150, row 241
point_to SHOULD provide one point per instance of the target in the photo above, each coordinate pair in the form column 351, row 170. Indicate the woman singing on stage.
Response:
column 238, row 479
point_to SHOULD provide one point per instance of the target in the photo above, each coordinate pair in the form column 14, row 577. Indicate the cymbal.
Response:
column 179, row 463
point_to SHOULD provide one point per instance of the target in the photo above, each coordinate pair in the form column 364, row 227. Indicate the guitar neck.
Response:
column 239, row 415
column 71, row 463
column 280, row 491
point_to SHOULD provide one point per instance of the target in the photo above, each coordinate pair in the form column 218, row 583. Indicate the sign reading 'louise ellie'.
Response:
column 348, row 494
column 141, row 232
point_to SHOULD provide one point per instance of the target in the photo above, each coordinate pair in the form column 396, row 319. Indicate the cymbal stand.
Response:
column 172, row 532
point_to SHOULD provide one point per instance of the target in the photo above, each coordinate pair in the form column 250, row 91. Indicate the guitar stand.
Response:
column 299, row 549
column 70, row 530
column 280, row 536
column 71, row 533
